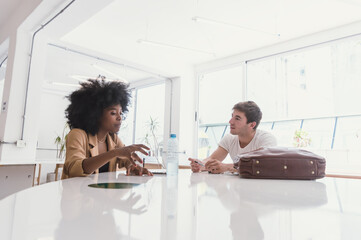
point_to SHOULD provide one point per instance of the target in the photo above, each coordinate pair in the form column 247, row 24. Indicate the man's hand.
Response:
column 196, row 167
column 215, row 166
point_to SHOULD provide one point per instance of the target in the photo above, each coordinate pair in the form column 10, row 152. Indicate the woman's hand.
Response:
column 129, row 152
column 135, row 170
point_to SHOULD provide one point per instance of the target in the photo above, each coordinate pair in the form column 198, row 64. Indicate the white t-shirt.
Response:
column 261, row 139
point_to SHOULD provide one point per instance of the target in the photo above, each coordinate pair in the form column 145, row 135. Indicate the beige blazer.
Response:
column 80, row 145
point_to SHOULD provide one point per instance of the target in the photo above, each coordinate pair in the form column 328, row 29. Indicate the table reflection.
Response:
column 87, row 213
column 248, row 200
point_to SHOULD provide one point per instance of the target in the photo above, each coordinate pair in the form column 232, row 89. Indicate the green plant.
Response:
column 60, row 142
column 301, row 138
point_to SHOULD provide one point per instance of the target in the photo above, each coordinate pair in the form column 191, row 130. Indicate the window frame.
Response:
column 300, row 45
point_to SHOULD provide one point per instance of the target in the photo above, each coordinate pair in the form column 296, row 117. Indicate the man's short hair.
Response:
column 251, row 110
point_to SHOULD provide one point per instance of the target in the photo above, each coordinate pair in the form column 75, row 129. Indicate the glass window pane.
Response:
column 346, row 75
column 218, row 92
column 284, row 132
column 315, row 82
column 346, row 153
column 264, row 88
column 49, row 132
column 150, row 116
column 267, row 126
column 210, row 135
column 309, row 85
column 320, row 132
column 348, row 133
column 126, row 130
column 204, row 145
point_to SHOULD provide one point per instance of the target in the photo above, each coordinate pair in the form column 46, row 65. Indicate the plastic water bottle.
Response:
column 172, row 156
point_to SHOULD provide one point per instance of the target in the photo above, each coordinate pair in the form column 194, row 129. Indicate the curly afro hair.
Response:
column 87, row 103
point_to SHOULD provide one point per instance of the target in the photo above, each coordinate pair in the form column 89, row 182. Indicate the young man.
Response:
column 244, row 137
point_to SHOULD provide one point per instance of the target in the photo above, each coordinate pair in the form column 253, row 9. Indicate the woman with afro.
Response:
column 94, row 115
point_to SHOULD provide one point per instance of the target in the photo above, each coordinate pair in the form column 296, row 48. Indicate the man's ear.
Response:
column 253, row 124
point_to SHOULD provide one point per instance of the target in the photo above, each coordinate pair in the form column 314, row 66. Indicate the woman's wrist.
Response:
column 117, row 152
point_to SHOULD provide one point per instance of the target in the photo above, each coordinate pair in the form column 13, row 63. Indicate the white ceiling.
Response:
column 70, row 67
column 116, row 29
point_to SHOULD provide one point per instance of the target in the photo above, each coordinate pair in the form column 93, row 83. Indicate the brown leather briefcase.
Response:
column 281, row 163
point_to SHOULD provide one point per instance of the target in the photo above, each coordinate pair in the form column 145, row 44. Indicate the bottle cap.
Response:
column 172, row 135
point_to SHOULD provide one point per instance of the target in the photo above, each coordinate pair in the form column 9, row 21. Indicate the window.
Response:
column 348, row 133
column 264, row 88
column 126, row 129
column 145, row 119
column 347, row 145
column 218, row 92
column 266, row 126
column 315, row 89
column 320, row 132
column 209, row 137
column 149, row 123
column 316, row 82
column 284, row 132
column 310, row 93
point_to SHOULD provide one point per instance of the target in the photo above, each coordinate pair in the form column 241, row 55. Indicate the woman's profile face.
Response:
column 111, row 119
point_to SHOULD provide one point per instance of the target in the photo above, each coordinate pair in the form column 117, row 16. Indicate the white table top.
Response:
column 196, row 206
